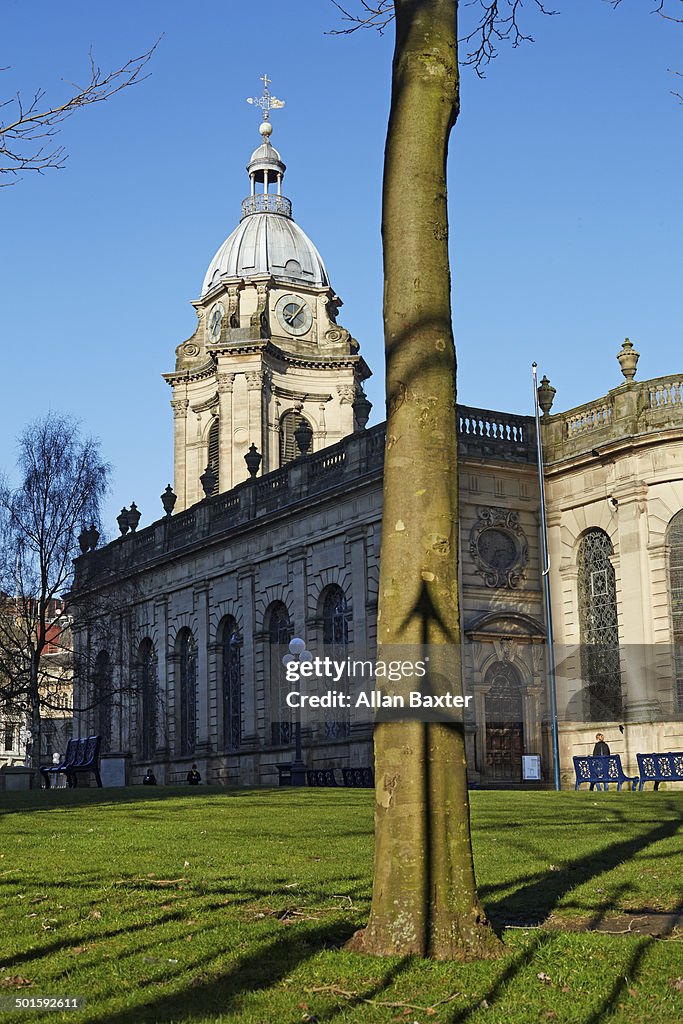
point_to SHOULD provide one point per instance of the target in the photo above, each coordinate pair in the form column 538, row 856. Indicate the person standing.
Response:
column 600, row 749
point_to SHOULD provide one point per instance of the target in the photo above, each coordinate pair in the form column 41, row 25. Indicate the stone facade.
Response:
column 198, row 602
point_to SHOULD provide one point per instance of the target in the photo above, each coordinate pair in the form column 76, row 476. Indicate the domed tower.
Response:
column 267, row 351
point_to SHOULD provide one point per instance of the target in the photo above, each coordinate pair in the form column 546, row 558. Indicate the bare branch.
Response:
column 498, row 22
column 375, row 15
column 25, row 141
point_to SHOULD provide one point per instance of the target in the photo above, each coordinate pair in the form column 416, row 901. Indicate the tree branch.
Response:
column 25, row 141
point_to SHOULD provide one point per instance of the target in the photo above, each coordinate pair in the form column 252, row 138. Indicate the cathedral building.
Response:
column 272, row 531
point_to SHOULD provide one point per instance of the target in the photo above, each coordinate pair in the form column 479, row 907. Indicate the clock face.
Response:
column 215, row 320
column 294, row 314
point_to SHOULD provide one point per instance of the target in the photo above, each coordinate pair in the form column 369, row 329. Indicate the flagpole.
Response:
column 546, row 589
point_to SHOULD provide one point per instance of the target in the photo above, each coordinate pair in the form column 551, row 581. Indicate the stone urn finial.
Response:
column 628, row 359
column 546, row 395
column 134, row 516
column 361, row 407
column 168, row 500
column 253, row 461
column 209, row 480
column 122, row 520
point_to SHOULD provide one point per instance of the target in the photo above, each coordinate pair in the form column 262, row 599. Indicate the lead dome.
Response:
column 267, row 241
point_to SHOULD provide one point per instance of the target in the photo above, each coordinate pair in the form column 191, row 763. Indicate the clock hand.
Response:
column 295, row 315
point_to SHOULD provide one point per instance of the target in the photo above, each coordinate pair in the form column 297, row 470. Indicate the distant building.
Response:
column 57, row 691
column 207, row 595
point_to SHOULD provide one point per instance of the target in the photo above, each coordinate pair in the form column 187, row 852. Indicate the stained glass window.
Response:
column 335, row 641
column 102, row 697
column 147, row 696
column 232, row 685
column 279, row 634
column 600, row 664
column 187, row 667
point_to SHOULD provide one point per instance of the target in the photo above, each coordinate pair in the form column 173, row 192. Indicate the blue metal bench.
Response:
column 81, row 756
column 660, row 768
column 321, row 777
column 598, row 772
column 359, row 778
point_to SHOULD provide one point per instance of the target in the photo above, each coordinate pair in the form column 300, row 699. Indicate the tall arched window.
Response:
column 675, row 540
column 600, row 666
column 335, row 622
column 147, row 699
column 289, row 449
column 279, row 634
column 213, row 455
column 103, row 699
column 231, row 676
column 186, row 651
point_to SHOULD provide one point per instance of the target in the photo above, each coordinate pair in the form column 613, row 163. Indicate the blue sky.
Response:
column 564, row 183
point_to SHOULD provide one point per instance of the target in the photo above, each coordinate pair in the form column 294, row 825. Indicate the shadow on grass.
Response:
column 626, row 976
column 209, row 995
column 534, row 902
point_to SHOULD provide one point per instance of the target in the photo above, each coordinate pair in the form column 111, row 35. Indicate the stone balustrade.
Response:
column 633, row 408
column 482, row 433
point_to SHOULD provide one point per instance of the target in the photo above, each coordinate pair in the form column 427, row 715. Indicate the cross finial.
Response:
column 266, row 102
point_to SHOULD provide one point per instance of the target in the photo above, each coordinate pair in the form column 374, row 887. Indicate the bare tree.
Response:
column 27, row 137
column 62, row 482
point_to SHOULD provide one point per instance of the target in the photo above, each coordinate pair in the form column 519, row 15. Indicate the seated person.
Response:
column 193, row 776
column 150, row 778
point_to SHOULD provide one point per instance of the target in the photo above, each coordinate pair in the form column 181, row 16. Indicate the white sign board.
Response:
column 531, row 767
column 113, row 771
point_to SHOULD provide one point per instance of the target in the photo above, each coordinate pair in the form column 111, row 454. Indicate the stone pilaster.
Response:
column 161, row 620
column 225, row 386
column 246, row 596
column 201, row 598
column 180, row 407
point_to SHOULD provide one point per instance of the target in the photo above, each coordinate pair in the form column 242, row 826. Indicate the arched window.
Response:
column 675, row 540
column 600, row 666
column 213, row 455
column 186, row 651
column 289, row 449
column 231, row 666
column 279, row 634
column 103, row 699
column 147, row 699
column 335, row 622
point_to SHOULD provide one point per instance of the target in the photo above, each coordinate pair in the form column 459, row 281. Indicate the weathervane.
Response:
column 266, row 102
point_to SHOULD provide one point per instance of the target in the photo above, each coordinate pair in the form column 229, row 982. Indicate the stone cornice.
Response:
column 187, row 376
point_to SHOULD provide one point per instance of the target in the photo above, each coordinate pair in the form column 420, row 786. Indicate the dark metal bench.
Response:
column 321, row 777
column 660, row 768
column 81, row 756
column 600, row 771
column 359, row 778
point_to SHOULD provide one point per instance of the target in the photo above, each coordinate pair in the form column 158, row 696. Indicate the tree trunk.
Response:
column 424, row 895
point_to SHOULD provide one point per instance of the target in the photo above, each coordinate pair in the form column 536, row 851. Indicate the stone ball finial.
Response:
column 266, row 129
column 628, row 359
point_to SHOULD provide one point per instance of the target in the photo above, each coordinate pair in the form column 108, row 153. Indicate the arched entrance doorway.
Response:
column 504, row 722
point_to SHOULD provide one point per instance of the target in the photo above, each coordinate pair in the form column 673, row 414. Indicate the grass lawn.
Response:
column 231, row 905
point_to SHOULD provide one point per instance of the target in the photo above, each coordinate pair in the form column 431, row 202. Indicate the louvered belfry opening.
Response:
column 289, row 449
column 214, row 455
